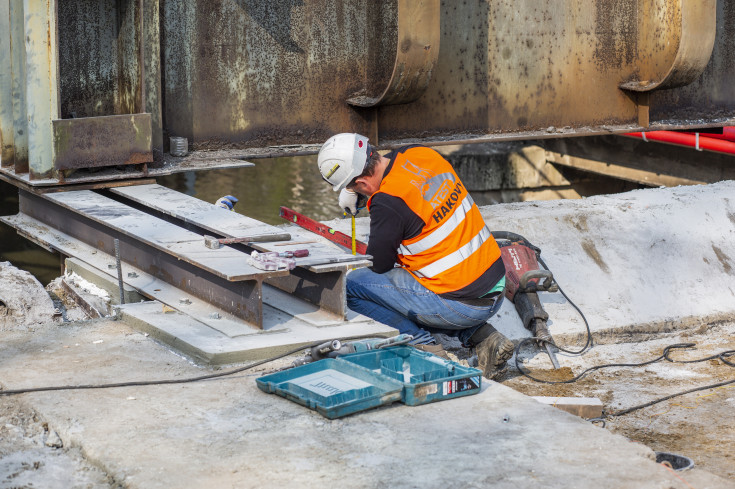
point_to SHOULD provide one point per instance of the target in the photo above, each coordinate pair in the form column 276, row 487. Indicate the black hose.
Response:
column 661, row 399
column 153, row 382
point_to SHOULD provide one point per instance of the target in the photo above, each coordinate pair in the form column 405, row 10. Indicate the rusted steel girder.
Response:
column 416, row 56
column 92, row 142
column 248, row 74
column 7, row 157
column 697, row 21
column 64, row 59
column 18, row 88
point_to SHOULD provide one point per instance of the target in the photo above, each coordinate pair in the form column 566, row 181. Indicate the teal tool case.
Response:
column 337, row 387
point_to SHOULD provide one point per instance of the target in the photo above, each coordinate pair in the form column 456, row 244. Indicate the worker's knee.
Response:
column 360, row 275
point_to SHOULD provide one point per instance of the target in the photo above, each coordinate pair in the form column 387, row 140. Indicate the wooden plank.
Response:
column 618, row 171
column 225, row 262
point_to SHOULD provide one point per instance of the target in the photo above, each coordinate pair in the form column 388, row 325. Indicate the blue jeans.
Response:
column 397, row 299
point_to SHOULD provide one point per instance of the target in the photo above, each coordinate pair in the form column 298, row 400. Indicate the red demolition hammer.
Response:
column 523, row 278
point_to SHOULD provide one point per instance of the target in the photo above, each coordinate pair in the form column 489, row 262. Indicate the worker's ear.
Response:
column 359, row 182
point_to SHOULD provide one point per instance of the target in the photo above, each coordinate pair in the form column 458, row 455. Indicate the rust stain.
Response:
column 579, row 223
column 591, row 250
column 729, row 211
column 724, row 259
column 250, row 74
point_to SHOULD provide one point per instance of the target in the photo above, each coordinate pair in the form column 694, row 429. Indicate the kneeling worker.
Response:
column 436, row 267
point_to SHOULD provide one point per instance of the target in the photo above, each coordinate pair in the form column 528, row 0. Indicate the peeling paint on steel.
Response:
column 18, row 68
column 241, row 74
column 102, row 141
column 41, row 84
column 6, row 89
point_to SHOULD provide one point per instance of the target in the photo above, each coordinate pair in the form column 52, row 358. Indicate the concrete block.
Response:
column 103, row 281
column 206, row 345
column 503, row 166
column 585, row 407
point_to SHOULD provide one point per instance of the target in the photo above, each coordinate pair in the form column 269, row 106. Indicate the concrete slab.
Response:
column 208, row 345
column 227, row 433
column 212, row 336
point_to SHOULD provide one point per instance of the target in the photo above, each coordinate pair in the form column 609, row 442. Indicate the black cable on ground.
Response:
column 589, row 343
column 721, row 356
column 154, row 382
column 661, row 399
column 664, row 355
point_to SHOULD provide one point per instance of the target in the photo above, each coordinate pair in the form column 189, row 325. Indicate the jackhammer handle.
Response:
column 540, row 274
column 507, row 235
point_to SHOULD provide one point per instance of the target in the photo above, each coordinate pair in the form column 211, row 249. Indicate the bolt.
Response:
column 184, row 301
column 214, row 315
column 132, row 275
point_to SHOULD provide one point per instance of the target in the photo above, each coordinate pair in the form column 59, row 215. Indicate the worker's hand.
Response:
column 348, row 201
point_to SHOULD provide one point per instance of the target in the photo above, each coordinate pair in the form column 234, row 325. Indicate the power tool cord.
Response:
column 721, row 356
column 589, row 343
column 510, row 236
column 154, row 382
column 664, row 355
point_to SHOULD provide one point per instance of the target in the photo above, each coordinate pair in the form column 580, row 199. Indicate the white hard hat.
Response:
column 342, row 158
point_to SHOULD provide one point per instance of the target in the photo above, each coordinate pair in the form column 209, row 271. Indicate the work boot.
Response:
column 434, row 348
column 493, row 351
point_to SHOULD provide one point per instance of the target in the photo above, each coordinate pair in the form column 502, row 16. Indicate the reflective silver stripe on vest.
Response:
column 440, row 233
column 456, row 257
column 435, row 184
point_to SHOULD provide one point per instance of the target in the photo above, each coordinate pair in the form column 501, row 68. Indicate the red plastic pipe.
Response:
column 702, row 142
column 728, row 133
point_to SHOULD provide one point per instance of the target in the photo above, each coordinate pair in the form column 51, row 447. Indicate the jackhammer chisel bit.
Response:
column 541, row 332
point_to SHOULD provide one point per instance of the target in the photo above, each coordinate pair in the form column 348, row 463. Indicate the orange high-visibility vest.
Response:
column 455, row 247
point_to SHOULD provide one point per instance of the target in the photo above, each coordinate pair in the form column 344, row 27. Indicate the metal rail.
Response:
column 177, row 255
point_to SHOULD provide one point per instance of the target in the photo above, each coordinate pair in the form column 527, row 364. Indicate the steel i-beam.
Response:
column 242, row 298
